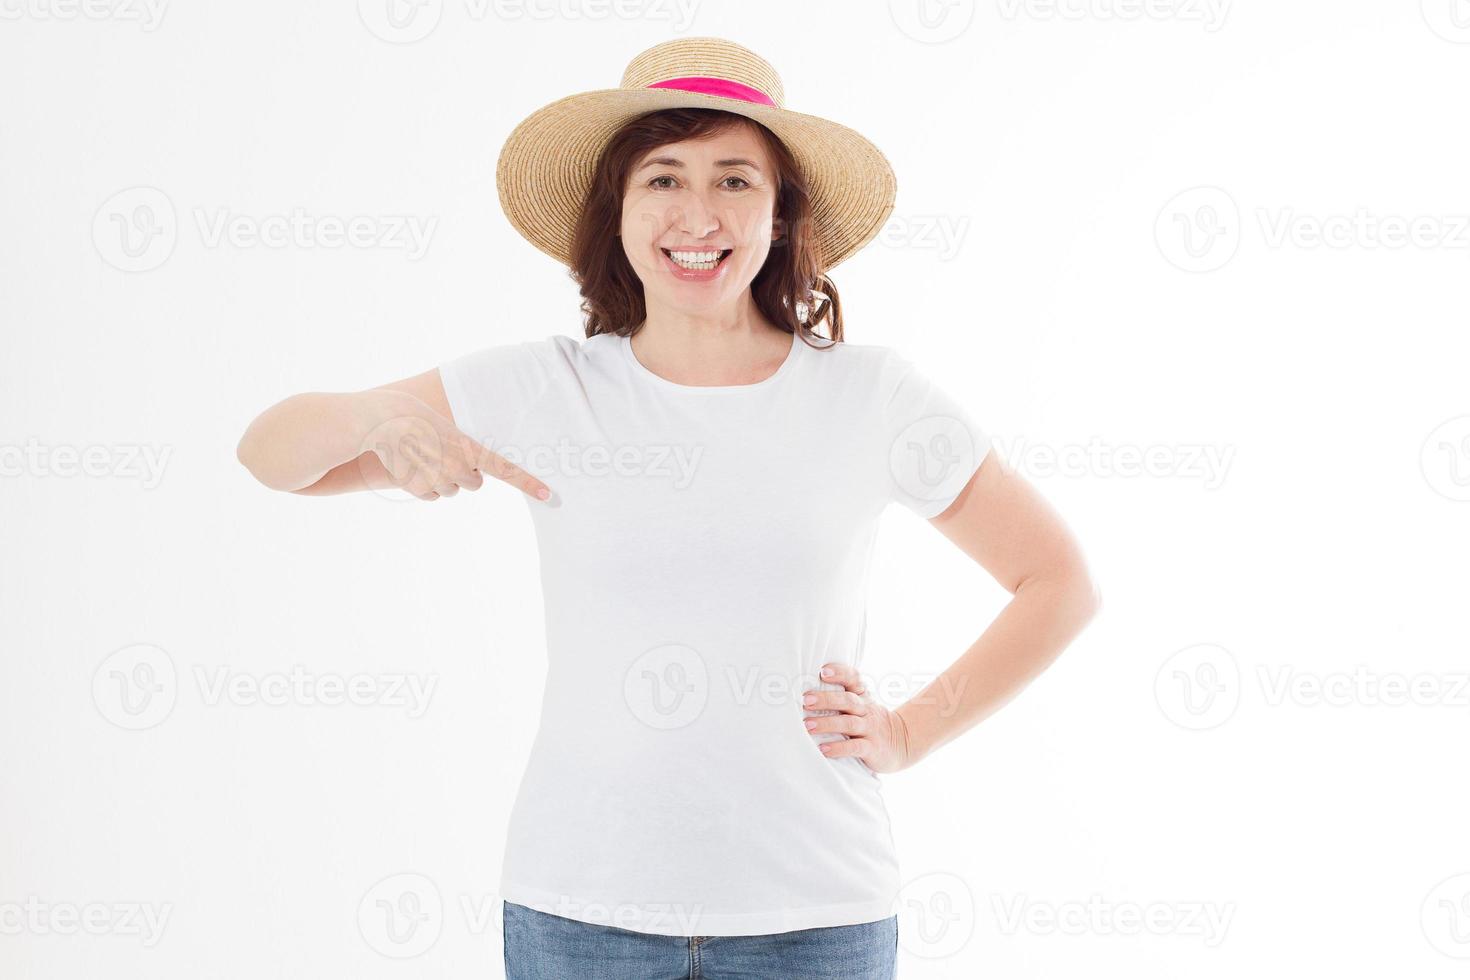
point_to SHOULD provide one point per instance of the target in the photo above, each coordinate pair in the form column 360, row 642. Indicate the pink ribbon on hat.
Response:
column 705, row 85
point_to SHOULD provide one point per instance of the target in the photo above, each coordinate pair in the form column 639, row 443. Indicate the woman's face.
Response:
column 715, row 195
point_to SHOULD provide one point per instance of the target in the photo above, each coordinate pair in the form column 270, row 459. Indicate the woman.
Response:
column 705, row 479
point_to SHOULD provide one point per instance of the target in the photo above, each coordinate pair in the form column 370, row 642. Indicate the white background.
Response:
column 1170, row 232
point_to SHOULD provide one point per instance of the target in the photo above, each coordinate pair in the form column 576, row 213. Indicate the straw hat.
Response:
column 547, row 163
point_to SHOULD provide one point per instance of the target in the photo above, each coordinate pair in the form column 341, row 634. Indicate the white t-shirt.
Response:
column 704, row 552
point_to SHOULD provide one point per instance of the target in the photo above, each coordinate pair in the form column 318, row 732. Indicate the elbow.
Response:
column 1073, row 599
column 1089, row 598
column 244, row 453
column 250, row 455
column 1078, row 602
column 1094, row 599
column 1076, row 594
column 1086, row 591
column 247, row 453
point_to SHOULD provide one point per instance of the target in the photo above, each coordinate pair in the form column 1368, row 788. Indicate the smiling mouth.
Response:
column 699, row 266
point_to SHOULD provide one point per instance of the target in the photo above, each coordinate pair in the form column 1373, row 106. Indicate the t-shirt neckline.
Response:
column 625, row 341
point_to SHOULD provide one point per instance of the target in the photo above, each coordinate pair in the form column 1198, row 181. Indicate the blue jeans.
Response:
column 542, row 946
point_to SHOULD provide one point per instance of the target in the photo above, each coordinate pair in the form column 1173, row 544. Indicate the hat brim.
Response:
column 547, row 164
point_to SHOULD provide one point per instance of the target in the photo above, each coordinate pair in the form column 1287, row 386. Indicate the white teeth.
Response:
column 696, row 260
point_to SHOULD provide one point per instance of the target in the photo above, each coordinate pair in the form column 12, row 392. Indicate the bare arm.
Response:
column 1007, row 527
column 396, row 435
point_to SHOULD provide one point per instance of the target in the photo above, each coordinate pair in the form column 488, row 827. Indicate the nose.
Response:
column 694, row 216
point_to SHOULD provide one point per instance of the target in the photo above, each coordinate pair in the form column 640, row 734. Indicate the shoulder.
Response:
column 572, row 350
column 552, row 347
column 525, row 367
column 865, row 364
column 556, row 353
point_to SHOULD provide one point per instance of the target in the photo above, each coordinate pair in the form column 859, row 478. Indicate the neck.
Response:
column 714, row 347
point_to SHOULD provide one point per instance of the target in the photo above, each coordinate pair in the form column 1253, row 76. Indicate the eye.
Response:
column 741, row 184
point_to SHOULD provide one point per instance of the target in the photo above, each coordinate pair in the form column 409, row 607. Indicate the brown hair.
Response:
column 785, row 290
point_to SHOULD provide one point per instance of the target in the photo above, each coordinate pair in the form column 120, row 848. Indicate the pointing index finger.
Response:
column 489, row 462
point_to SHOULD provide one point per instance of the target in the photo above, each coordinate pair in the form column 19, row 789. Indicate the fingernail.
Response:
column 809, row 699
column 811, row 723
column 543, row 493
column 826, row 671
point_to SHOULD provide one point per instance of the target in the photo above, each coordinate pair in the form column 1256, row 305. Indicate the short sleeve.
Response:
column 934, row 443
column 490, row 390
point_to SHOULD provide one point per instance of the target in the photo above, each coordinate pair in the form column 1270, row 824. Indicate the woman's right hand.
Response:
column 424, row 454
column 398, row 436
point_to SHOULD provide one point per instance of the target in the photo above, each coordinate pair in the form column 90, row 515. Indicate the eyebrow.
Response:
column 676, row 162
